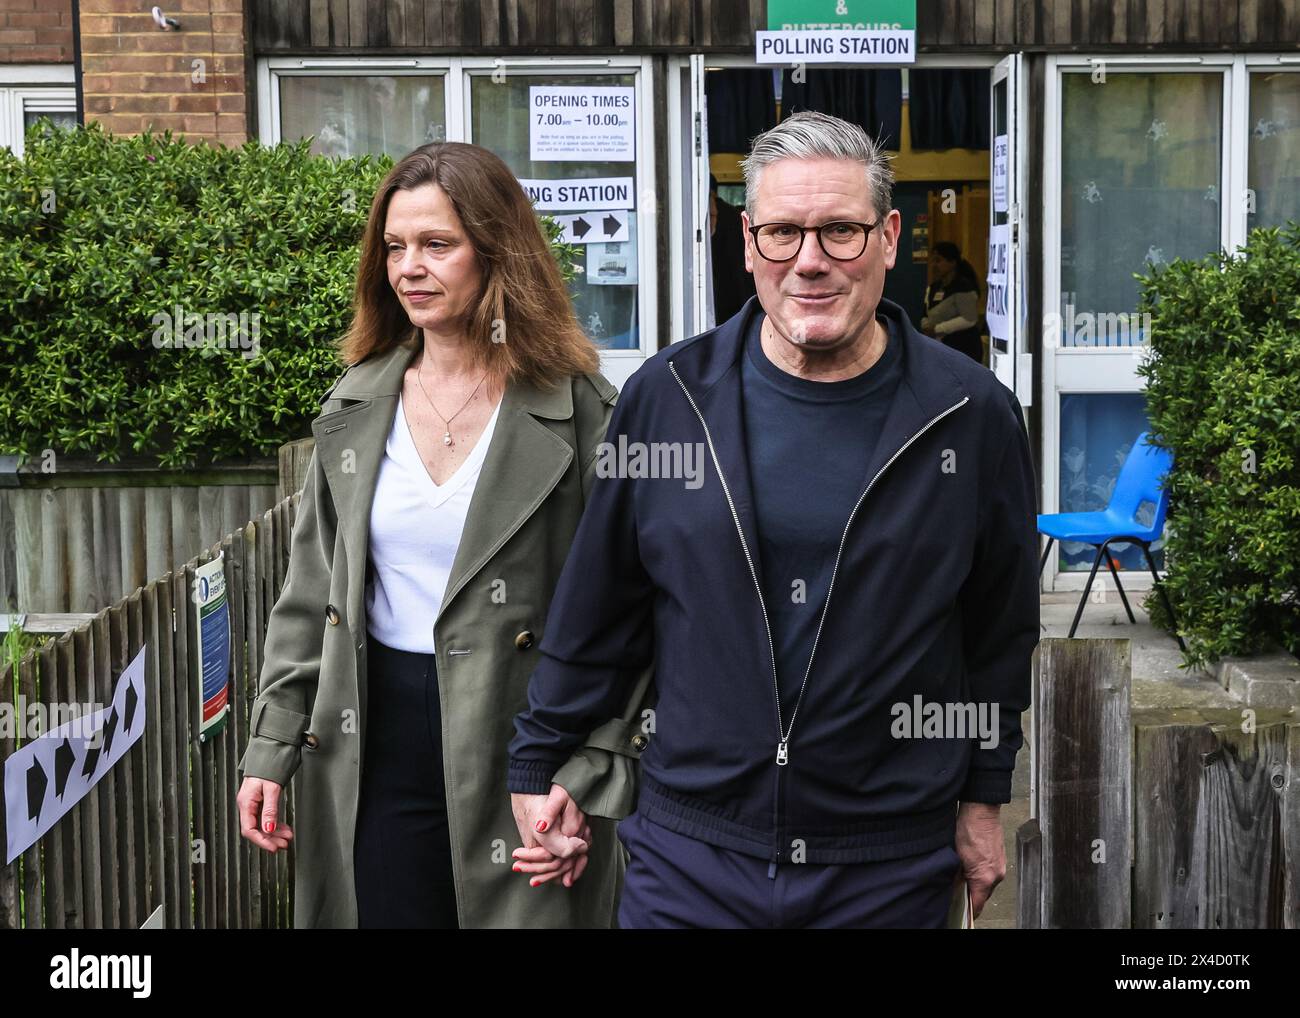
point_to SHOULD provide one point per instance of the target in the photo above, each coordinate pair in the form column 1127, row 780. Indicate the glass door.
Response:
column 1135, row 172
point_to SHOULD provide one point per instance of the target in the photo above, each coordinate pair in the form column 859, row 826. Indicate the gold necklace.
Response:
column 446, row 421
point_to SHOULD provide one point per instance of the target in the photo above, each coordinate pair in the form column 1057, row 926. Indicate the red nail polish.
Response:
column 270, row 827
column 541, row 827
column 515, row 867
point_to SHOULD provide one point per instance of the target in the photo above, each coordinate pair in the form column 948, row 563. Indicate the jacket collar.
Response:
column 713, row 355
column 524, row 462
column 709, row 368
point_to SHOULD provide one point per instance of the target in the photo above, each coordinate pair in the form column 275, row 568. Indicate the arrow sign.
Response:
column 28, row 771
column 36, row 784
column 64, row 758
column 110, row 728
column 92, row 761
column 579, row 229
column 132, row 701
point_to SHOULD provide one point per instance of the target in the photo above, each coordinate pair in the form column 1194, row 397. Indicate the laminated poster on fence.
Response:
column 213, row 619
column 52, row 773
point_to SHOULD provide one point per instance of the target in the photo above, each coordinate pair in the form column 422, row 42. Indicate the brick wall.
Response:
column 193, row 81
column 35, row 31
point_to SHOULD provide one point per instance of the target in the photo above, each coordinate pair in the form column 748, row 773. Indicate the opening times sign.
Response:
column 581, row 124
column 839, row 32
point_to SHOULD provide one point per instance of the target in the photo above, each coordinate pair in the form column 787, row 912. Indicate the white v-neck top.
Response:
column 415, row 529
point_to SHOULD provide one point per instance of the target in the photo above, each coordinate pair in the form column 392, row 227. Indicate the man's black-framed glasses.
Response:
column 842, row 239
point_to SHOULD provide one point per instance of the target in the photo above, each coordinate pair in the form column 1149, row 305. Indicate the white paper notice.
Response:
column 999, row 263
column 581, row 194
column 1000, row 173
column 579, row 123
column 614, row 263
column 50, row 774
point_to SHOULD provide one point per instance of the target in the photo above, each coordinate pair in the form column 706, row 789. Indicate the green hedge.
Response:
column 101, row 236
column 1223, row 394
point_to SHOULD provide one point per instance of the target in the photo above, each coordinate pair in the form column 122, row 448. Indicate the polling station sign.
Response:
column 999, row 279
column 838, row 31
column 580, row 194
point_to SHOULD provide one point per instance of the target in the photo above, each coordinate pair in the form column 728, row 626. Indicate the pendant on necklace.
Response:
column 446, row 439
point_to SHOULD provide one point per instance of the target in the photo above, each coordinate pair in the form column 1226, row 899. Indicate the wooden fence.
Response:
column 84, row 536
column 1149, row 819
column 1173, row 819
column 160, row 827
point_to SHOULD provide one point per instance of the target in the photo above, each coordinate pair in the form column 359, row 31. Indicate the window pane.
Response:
column 1140, row 160
column 1097, row 432
column 605, row 293
column 61, row 119
column 1273, row 161
column 363, row 115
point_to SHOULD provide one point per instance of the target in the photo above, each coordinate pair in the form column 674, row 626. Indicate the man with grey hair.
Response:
column 856, row 576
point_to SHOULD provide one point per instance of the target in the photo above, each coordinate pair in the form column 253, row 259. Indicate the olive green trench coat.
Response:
column 309, row 719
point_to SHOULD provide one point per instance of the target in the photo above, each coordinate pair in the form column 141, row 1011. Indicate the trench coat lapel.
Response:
column 350, row 446
column 524, row 462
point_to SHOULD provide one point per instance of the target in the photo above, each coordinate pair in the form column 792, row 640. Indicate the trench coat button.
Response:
column 524, row 640
column 332, row 615
column 309, row 740
column 639, row 742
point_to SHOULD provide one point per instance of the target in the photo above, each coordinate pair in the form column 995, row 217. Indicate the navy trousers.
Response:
column 677, row 882
column 403, row 846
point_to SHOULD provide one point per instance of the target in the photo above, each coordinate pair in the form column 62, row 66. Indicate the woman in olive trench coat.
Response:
column 540, row 464
column 309, row 719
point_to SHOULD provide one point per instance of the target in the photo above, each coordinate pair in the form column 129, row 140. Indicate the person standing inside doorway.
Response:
column 952, row 302
column 732, row 283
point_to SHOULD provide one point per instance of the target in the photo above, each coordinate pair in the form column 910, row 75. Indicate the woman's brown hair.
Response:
column 523, row 326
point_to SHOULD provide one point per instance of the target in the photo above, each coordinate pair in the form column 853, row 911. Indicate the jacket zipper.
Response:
column 783, row 745
column 843, row 538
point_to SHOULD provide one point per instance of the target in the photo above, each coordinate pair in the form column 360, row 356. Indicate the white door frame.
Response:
column 680, row 191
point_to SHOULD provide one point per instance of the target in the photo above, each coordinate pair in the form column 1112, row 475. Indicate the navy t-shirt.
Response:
column 809, row 446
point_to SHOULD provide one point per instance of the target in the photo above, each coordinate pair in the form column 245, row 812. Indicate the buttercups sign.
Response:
column 838, row 31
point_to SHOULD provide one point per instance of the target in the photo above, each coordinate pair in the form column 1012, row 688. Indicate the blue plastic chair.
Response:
column 1139, row 481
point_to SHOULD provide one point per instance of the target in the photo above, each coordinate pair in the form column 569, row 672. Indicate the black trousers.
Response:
column 403, row 847
column 677, row 882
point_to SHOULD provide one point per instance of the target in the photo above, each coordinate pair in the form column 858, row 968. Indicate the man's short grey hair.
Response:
column 809, row 135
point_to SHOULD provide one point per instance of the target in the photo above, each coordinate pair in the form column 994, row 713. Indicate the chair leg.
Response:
column 1119, row 586
column 1169, row 608
column 1043, row 561
column 1084, row 600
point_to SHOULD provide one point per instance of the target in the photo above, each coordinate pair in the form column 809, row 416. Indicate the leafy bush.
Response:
column 1223, row 394
column 103, row 238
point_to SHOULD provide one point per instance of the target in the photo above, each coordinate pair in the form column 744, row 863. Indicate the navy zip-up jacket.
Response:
column 934, row 596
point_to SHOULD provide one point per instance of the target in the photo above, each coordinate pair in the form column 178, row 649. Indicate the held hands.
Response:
column 555, row 835
column 259, row 809
column 982, row 850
